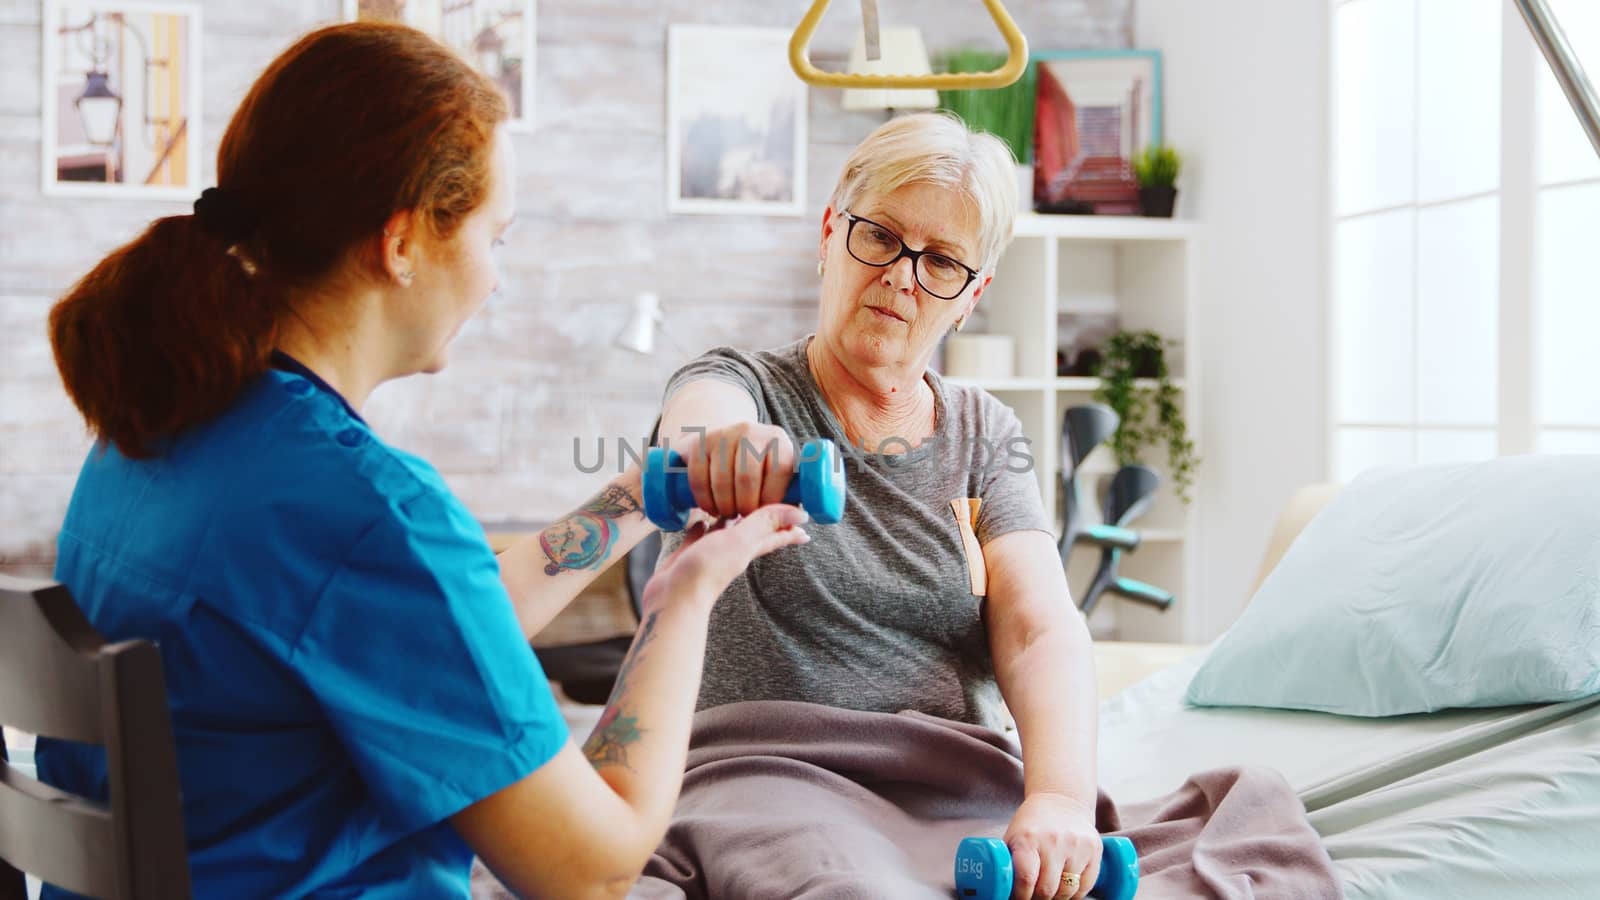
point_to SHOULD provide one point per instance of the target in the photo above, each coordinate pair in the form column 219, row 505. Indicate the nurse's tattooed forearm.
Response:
column 608, row 745
column 647, row 633
column 583, row 539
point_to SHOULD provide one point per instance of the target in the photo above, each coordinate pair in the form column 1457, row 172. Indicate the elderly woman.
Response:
column 882, row 614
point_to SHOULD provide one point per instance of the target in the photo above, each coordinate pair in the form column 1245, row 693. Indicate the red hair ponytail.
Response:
column 350, row 125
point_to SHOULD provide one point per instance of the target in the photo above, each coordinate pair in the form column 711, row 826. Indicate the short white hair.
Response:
column 938, row 148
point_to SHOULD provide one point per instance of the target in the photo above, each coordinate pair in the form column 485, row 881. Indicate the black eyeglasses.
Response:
column 876, row 245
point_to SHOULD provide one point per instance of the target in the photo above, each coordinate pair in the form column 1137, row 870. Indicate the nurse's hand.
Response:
column 735, row 470
column 713, row 555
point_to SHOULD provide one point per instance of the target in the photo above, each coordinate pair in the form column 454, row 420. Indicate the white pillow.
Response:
column 1426, row 587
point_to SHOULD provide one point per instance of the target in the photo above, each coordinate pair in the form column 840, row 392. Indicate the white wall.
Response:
column 1247, row 103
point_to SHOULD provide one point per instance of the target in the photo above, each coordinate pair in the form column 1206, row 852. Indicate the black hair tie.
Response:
column 221, row 212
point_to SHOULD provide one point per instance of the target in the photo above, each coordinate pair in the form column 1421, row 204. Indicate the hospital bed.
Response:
column 1490, row 803
column 1461, row 804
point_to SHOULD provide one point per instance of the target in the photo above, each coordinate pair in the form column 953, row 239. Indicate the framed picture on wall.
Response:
column 121, row 99
column 736, row 122
column 496, row 36
column 1095, row 109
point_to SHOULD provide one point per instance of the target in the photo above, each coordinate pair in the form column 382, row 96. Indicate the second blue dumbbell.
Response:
column 818, row 485
column 984, row 871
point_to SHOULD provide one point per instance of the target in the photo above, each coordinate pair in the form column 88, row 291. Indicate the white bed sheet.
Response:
column 1491, row 803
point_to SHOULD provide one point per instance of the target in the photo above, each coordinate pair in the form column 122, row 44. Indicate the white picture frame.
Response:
column 722, row 78
column 474, row 22
column 149, row 55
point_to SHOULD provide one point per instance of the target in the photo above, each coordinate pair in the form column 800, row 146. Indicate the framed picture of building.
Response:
column 736, row 122
column 497, row 36
column 1095, row 110
column 121, row 99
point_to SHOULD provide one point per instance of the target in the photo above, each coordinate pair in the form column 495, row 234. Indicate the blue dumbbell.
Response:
column 818, row 485
column 983, row 870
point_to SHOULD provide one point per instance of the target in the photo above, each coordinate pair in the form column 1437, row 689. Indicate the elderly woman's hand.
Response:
column 1050, row 836
column 738, row 469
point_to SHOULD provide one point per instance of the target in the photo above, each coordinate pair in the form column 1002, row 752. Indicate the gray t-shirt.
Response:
column 878, row 611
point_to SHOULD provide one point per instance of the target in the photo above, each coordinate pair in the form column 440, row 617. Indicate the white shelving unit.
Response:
column 1142, row 269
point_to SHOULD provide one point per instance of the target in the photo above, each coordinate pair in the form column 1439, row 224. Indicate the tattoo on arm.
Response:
column 608, row 745
column 583, row 539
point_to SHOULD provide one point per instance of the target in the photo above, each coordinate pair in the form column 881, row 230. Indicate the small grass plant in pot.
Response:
column 1156, row 168
column 1006, row 113
column 1150, row 413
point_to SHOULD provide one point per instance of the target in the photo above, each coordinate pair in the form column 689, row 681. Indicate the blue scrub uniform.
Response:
column 344, row 666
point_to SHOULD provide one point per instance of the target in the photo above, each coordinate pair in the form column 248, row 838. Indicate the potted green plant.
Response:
column 1156, row 168
column 1006, row 113
column 1136, row 382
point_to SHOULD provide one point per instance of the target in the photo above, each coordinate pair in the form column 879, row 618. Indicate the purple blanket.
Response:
column 788, row 800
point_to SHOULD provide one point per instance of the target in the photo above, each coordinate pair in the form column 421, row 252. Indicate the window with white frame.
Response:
column 1454, row 336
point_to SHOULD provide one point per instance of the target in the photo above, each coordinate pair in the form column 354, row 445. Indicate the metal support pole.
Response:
column 1564, row 63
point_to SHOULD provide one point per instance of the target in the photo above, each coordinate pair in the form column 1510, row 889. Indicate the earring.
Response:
column 819, row 268
column 405, row 278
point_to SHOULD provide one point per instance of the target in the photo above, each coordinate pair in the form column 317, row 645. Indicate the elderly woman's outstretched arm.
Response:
column 1044, row 665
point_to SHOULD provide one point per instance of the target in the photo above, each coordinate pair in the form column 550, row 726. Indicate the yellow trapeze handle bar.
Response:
column 1016, row 62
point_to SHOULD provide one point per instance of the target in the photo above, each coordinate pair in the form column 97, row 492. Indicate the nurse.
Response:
column 355, row 705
